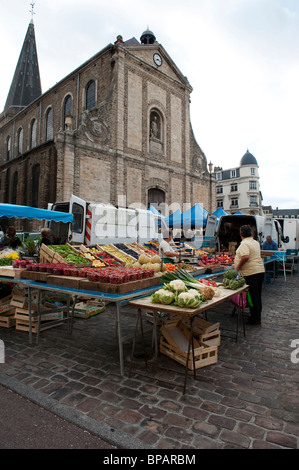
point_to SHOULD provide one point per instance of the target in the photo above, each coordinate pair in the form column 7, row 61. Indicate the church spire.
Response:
column 26, row 84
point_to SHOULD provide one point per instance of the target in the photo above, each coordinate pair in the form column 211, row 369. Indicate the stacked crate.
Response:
column 175, row 340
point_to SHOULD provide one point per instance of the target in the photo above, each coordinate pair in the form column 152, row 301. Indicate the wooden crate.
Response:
column 177, row 334
column 46, row 255
column 85, row 284
column 35, row 276
column 174, row 344
column 19, row 301
column 7, row 317
column 85, row 310
column 9, row 271
column 206, row 332
column 207, row 356
column 23, row 314
column 23, row 325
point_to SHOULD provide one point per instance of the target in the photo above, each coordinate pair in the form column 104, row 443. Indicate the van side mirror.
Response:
column 285, row 239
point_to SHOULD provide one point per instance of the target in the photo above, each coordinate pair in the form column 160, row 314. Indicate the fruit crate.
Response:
column 7, row 316
column 118, row 254
column 46, row 255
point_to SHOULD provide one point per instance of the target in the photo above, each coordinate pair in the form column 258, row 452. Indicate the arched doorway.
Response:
column 156, row 198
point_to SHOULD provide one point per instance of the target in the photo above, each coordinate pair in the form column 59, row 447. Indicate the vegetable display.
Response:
column 68, row 254
column 177, row 294
column 189, row 281
column 182, row 290
column 232, row 280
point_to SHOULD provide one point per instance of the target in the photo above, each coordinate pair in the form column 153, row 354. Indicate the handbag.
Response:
column 239, row 300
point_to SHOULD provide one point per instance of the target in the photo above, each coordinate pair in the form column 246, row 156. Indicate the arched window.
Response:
column 67, row 111
column 91, row 95
column 33, row 133
column 14, row 188
column 8, row 148
column 49, row 124
column 20, row 141
column 35, row 185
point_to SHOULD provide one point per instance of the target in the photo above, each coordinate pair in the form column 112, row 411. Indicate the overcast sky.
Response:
column 240, row 56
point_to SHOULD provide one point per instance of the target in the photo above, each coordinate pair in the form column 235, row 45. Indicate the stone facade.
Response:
column 136, row 137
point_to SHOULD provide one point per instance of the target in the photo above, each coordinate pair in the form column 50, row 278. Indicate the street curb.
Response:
column 99, row 429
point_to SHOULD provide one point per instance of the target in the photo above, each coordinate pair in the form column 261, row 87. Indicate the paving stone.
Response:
column 282, row 439
column 206, row 428
column 235, row 438
column 238, row 415
column 152, row 412
column 179, row 434
column 194, row 413
column 251, row 430
column 222, row 421
column 176, row 420
column 130, row 416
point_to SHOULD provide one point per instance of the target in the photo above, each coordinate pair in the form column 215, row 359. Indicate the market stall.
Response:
column 181, row 345
column 107, row 273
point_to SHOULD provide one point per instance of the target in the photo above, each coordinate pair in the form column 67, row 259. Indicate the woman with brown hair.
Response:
column 249, row 262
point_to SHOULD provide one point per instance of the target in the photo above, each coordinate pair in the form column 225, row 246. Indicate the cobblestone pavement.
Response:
column 249, row 399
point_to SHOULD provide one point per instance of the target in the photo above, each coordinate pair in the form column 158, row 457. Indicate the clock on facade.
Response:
column 157, row 59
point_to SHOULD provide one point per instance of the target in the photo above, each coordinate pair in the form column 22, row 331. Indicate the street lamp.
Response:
column 210, row 166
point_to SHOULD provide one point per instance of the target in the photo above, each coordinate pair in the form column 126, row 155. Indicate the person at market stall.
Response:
column 249, row 263
column 166, row 252
column 10, row 239
column 269, row 244
column 46, row 234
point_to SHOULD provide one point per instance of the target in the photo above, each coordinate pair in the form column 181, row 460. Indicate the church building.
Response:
column 115, row 130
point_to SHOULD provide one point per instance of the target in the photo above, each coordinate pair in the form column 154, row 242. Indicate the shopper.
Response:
column 10, row 239
column 166, row 252
column 46, row 234
column 249, row 263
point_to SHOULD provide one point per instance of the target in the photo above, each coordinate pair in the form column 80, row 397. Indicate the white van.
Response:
column 227, row 230
column 290, row 229
column 97, row 223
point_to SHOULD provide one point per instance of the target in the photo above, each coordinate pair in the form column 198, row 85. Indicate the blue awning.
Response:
column 219, row 212
column 174, row 219
column 195, row 217
column 9, row 211
column 155, row 211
